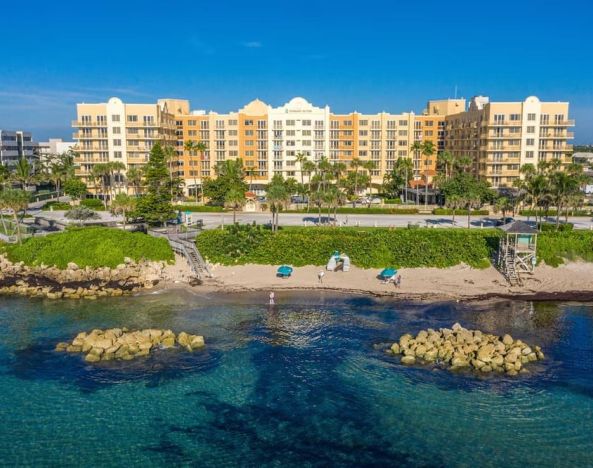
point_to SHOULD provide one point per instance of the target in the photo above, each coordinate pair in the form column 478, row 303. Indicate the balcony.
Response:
column 78, row 123
column 562, row 123
column 142, row 124
column 86, row 136
column 502, row 123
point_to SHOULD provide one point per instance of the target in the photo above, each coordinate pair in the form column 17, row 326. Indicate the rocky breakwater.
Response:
column 123, row 344
column 75, row 282
column 460, row 348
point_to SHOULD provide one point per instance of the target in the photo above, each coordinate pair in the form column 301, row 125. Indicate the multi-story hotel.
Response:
column 500, row 137
column 115, row 131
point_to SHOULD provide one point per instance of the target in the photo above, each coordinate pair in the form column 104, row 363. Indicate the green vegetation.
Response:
column 449, row 211
column 554, row 247
column 347, row 210
column 56, row 206
column 580, row 213
column 155, row 206
column 76, row 189
column 92, row 246
column 200, row 208
column 367, row 248
column 16, row 202
column 93, row 204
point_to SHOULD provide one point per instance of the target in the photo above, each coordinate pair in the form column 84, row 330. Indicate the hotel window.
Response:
column 248, row 132
column 362, row 154
column 530, row 129
column 319, row 124
column 191, row 123
column 203, row 124
column 132, row 118
column 115, row 118
column 249, row 153
column 261, row 124
column 363, row 123
column 290, row 132
column 102, row 119
column 233, row 133
column 117, row 154
column 233, row 142
column 498, row 118
column 514, row 117
column 530, row 142
column 116, row 130
column 306, row 123
column 529, row 154
column 363, row 132
column 278, row 124
column 248, row 123
column 403, row 133
column 306, row 132
column 290, row 123
column 334, row 124
column 220, row 124
column 192, row 133
column 403, row 123
column 347, row 123
column 116, row 142
column 148, row 119
column 249, row 143
column 531, row 117
column 375, row 124
column 85, row 119
column 232, row 123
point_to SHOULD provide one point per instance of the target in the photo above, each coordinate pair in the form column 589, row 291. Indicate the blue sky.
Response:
column 366, row 56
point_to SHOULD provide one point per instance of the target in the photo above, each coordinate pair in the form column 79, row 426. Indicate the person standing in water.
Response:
column 272, row 298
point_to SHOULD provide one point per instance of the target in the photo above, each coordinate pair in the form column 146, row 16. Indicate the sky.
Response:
column 368, row 56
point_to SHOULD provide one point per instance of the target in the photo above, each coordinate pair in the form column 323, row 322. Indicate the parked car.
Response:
column 298, row 199
column 365, row 201
column 503, row 221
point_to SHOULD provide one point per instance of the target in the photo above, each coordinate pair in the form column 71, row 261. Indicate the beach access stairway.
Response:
column 511, row 269
column 183, row 243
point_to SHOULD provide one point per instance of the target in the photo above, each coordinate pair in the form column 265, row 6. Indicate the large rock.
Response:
column 408, row 360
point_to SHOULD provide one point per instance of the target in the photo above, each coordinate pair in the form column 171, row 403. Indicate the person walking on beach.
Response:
column 398, row 281
column 320, row 275
column 272, row 298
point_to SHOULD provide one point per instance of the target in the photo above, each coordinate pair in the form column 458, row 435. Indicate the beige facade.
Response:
column 116, row 131
column 500, row 137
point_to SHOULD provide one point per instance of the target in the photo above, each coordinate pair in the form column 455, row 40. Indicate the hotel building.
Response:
column 500, row 137
column 116, row 131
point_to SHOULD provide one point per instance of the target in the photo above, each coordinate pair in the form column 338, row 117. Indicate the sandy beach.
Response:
column 569, row 281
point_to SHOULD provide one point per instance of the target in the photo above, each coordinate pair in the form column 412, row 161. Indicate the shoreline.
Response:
column 567, row 282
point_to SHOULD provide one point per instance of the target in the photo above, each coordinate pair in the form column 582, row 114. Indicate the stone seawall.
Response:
column 75, row 282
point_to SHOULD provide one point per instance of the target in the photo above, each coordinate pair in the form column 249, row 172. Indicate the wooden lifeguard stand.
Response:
column 517, row 250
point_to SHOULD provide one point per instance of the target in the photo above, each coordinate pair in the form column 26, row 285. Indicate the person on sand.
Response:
column 398, row 281
column 272, row 298
column 320, row 275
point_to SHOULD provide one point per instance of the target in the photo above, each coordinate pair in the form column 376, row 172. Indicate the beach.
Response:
column 568, row 281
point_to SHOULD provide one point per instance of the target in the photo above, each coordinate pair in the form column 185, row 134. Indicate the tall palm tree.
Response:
column 115, row 169
column 445, row 160
column 235, row 199
column 370, row 167
column 194, row 147
column 24, row 173
column 134, row 178
column 170, row 157
column 99, row 173
column 302, row 159
column 278, row 195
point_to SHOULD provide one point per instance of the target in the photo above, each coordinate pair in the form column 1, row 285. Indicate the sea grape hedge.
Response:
column 362, row 210
column 380, row 247
column 367, row 248
column 449, row 211
column 92, row 246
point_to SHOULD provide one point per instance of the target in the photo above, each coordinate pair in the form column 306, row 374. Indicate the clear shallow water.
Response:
column 300, row 385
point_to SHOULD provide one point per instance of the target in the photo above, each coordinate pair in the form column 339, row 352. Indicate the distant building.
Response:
column 54, row 146
column 15, row 145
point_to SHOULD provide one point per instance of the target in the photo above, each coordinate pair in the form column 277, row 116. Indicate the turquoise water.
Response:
column 303, row 384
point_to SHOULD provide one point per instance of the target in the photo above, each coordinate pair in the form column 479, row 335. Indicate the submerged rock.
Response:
column 123, row 344
column 459, row 348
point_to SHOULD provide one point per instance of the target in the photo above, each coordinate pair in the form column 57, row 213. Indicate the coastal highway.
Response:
column 214, row 220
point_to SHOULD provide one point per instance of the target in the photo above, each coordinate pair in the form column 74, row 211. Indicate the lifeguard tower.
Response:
column 517, row 250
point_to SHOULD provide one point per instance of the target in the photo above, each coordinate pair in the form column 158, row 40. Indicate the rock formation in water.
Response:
column 459, row 348
column 122, row 344
column 75, row 282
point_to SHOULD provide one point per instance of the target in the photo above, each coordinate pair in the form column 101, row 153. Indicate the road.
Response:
column 214, row 220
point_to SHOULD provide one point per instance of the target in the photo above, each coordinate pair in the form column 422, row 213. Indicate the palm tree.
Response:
column 24, row 173
column 454, row 202
column 302, row 159
column 115, row 169
column 15, row 201
column 250, row 172
column 463, row 163
column 99, row 173
column 445, row 160
column 4, row 176
column 123, row 204
column 278, row 195
column 309, row 167
column 370, row 167
column 194, row 147
column 170, row 157
column 134, row 178
column 235, row 199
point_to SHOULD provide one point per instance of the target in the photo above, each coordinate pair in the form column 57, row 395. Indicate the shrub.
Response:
column 91, row 246
column 551, row 227
column 346, row 210
column 199, row 208
column 554, row 247
column 367, row 248
column 56, row 205
column 392, row 201
column 93, row 204
column 449, row 211
column 81, row 214
column 553, row 213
